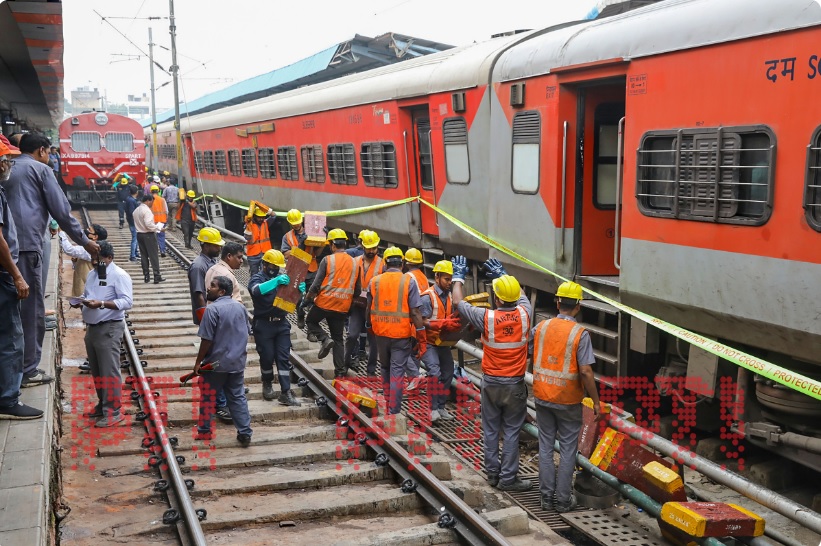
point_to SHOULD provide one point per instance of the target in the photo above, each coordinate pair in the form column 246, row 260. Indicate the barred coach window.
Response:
column 208, row 159
column 313, row 166
column 267, row 163
column 812, row 190
column 234, row 163
column 198, row 164
column 342, row 164
column 722, row 175
column 249, row 162
column 286, row 157
column 379, row 164
column 221, row 163
column 455, row 132
column 527, row 137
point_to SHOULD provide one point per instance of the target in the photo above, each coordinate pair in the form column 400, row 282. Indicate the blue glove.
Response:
column 269, row 286
column 460, row 268
column 302, row 287
column 494, row 268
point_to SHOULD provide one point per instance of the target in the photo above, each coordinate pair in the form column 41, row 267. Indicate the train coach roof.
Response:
column 458, row 68
column 671, row 25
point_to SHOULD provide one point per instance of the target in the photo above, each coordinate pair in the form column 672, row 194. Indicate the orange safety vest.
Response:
column 421, row 279
column 336, row 293
column 555, row 369
column 390, row 312
column 260, row 239
column 293, row 241
column 160, row 210
column 366, row 275
column 191, row 207
column 439, row 312
column 504, row 342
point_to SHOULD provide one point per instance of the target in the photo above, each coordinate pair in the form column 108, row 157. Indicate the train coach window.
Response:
column 168, row 151
column 455, row 132
column 527, row 135
column 119, row 142
column 249, row 162
column 342, row 164
column 198, row 164
column 234, row 163
column 85, row 141
column 313, row 166
column 379, row 164
column 286, row 157
column 208, row 160
column 812, row 190
column 220, row 163
column 720, row 175
column 267, row 163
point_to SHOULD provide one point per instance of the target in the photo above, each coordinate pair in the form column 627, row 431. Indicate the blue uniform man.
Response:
column 272, row 331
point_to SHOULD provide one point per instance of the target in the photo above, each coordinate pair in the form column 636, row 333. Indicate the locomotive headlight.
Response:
column 105, row 173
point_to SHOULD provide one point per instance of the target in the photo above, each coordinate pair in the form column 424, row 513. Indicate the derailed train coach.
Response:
column 667, row 157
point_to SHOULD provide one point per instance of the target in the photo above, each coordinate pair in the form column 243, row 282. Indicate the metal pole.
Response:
column 174, row 72
column 153, row 104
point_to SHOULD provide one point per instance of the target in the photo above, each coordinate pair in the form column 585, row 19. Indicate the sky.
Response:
column 221, row 43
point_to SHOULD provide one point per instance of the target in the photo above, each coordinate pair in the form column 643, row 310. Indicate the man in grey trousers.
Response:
column 107, row 296
column 33, row 195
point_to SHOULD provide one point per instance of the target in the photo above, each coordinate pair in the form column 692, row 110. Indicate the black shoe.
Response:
column 267, row 390
column 493, row 479
column 312, row 338
column 244, row 439
column 85, row 367
column 547, row 503
column 147, row 278
column 133, row 259
column 327, row 345
column 300, row 322
column 158, row 280
column 162, row 254
column 121, row 226
column 224, row 415
column 516, row 485
column 95, row 414
column 20, row 412
column 287, row 398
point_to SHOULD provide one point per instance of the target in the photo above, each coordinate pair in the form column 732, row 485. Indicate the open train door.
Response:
column 421, row 157
column 598, row 173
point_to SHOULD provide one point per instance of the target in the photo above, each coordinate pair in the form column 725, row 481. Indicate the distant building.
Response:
column 84, row 99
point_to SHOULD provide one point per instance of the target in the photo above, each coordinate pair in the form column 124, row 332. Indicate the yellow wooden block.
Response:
column 482, row 296
column 605, row 408
column 759, row 521
column 662, row 477
column 607, row 447
column 287, row 306
column 301, row 255
column 681, row 517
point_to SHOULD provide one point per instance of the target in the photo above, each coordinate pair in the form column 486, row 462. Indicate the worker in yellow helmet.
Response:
column 358, row 250
column 413, row 266
column 258, row 237
column 562, row 371
column 368, row 265
column 296, row 239
column 505, row 331
column 187, row 217
column 160, row 210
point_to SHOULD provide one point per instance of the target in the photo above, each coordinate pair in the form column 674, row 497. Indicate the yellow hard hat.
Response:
column 569, row 290
column 259, row 212
column 413, row 256
column 146, row 169
column 507, row 288
column 361, row 232
column 191, row 193
column 337, row 234
column 370, row 239
column 166, row 173
column 443, row 266
column 274, row 257
column 154, row 187
column 210, row 235
column 392, row 252
column 294, row 217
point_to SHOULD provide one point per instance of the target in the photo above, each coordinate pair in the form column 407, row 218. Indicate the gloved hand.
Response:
column 460, row 268
column 421, row 343
column 200, row 313
column 450, row 324
column 302, row 287
column 269, row 286
column 494, row 268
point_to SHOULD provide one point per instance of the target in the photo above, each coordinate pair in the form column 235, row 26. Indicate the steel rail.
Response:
column 189, row 514
column 468, row 524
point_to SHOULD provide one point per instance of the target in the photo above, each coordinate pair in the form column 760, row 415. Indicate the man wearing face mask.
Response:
column 187, row 217
column 107, row 296
column 296, row 239
column 13, row 288
column 34, row 194
column 272, row 331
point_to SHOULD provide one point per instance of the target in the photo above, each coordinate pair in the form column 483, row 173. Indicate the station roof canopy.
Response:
column 359, row 54
column 31, row 63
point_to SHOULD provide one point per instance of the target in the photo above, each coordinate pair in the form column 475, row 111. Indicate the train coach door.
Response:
column 423, row 163
column 601, row 109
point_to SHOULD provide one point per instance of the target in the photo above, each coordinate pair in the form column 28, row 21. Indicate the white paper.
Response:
column 160, row 225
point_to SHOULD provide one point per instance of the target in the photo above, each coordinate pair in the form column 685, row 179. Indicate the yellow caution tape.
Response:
column 330, row 213
column 788, row 378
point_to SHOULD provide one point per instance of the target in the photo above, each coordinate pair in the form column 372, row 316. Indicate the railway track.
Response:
column 320, row 471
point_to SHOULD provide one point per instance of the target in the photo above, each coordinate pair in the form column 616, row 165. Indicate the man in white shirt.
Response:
column 231, row 261
column 147, row 238
column 107, row 296
column 80, row 257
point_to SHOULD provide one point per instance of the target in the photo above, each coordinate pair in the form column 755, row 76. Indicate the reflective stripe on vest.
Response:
column 439, row 312
column 336, row 293
column 293, row 241
column 159, row 210
column 420, row 278
column 390, row 313
column 366, row 275
column 555, row 368
column 260, row 239
column 504, row 342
